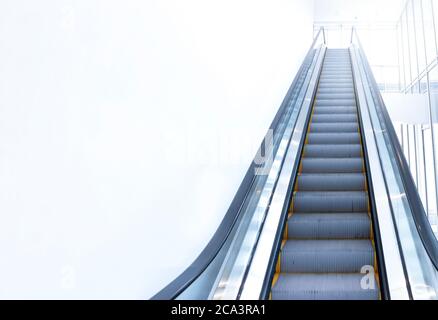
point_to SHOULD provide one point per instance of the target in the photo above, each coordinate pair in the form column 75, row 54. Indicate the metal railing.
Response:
column 417, row 243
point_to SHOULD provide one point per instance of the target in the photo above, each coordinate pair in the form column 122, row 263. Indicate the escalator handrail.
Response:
column 422, row 224
column 212, row 249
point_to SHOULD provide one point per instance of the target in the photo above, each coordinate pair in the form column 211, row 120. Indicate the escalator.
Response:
column 328, row 239
column 331, row 210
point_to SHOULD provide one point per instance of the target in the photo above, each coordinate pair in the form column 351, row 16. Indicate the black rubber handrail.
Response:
column 208, row 254
column 422, row 224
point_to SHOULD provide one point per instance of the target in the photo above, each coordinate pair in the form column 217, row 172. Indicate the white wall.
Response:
column 407, row 108
column 126, row 128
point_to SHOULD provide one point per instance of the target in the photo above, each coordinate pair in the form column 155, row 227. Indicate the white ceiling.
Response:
column 362, row 11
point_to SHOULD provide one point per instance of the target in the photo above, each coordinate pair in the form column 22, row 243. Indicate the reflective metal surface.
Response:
column 395, row 276
column 416, row 242
column 259, row 264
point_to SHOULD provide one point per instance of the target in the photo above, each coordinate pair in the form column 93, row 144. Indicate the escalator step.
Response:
column 330, row 201
column 322, row 287
column 336, row 78
column 333, row 138
column 326, row 255
column 334, row 127
column 339, row 70
column 343, row 68
column 354, row 225
column 331, row 165
column 336, row 103
column 332, row 150
column 339, row 90
column 334, row 110
column 334, row 85
column 332, row 95
column 331, row 182
column 335, row 73
column 334, row 118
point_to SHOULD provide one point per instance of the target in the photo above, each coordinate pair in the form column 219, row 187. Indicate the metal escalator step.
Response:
column 326, row 84
column 334, row 118
column 334, row 86
column 338, row 68
column 328, row 107
column 335, row 76
column 330, row 201
column 322, row 287
column 332, row 150
column 334, row 127
column 329, row 77
column 344, row 67
column 334, row 110
column 336, row 81
column 331, row 182
column 337, row 103
column 336, row 71
column 326, row 256
column 331, row 165
column 333, row 138
column 339, row 65
column 340, row 90
column 329, row 226
column 335, row 95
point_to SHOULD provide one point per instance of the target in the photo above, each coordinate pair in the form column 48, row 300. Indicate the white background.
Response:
column 126, row 128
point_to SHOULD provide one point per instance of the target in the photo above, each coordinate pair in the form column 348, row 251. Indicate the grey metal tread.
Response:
column 343, row 104
column 334, row 127
column 335, row 90
column 336, row 72
column 338, row 103
column 336, row 75
column 334, row 110
column 333, row 74
column 330, row 201
column 331, row 165
column 333, row 138
column 326, row 255
column 345, row 70
column 334, row 85
column 335, row 95
column 331, row 182
column 334, row 118
column 355, row 225
column 333, row 150
column 322, row 287
column 337, row 81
